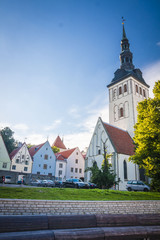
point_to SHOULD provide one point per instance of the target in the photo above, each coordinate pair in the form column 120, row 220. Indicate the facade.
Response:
column 126, row 89
column 61, row 163
column 5, row 162
column 21, row 160
column 74, row 163
column 117, row 142
column 44, row 160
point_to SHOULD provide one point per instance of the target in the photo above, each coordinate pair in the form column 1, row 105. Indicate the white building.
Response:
column 5, row 162
column 61, row 163
column 126, row 89
column 74, row 164
column 44, row 159
column 21, row 160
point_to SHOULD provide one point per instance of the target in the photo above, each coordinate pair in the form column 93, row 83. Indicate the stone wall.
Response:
column 55, row 207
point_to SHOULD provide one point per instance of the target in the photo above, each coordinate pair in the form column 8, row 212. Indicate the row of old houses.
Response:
column 40, row 160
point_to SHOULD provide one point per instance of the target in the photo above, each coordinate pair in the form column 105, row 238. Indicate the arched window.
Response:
column 136, row 88
column 120, row 90
column 125, row 169
column 125, row 87
column 140, row 89
column 144, row 93
column 121, row 112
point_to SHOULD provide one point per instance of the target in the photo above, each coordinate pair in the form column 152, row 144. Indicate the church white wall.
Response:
column 127, row 101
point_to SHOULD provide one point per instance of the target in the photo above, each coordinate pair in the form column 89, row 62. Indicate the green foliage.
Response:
column 55, row 149
column 147, row 137
column 9, row 141
column 104, row 177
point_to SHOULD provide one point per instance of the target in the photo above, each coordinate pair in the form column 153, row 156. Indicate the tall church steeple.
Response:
column 125, row 55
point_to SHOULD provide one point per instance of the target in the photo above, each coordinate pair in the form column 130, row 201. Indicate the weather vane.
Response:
column 123, row 20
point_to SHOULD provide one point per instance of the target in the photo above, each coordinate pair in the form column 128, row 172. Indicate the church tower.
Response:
column 126, row 89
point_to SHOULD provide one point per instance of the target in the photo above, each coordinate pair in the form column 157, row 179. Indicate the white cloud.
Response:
column 151, row 74
column 158, row 43
column 21, row 127
column 55, row 124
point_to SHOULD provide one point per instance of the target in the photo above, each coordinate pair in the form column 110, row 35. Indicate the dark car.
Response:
column 36, row 183
column 58, row 184
column 134, row 185
column 92, row 185
column 75, row 183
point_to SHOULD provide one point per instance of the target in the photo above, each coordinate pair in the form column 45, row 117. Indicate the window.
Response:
column 50, row 174
column 77, row 153
column 39, row 165
column 144, row 93
column 50, row 157
column 60, row 172
column 125, row 88
column 26, row 163
column 76, row 170
column 17, row 160
column 120, row 90
column 38, row 173
column 49, row 166
column 121, row 112
column 99, row 151
column 71, row 169
column 46, row 148
column 127, row 60
column 125, row 169
column 136, row 88
column 140, row 89
column 22, row 156
column 45, row 166
column 41, row 155
column 14, row 167
column 25, row 168
column 80, row 170
column 76, row 161
column 46, row 157
column 4, row 165
column 60, row 165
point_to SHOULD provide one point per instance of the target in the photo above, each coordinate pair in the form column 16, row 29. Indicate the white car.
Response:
column 135, row 185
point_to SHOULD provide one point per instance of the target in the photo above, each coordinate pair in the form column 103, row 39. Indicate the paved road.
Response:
column 16, row 185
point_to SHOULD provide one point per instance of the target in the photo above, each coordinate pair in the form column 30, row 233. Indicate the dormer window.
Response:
column 144, row 93
column 136, row 88
column 140, row 89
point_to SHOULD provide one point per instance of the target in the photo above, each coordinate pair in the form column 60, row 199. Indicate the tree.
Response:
column 147, row 137
column 8, row 139
column 104, row 177
column 55, row 149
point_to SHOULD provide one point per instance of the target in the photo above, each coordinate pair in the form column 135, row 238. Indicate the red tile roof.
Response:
column 59, row 156
column 120, row 139
column 58, row 143
column 35, row 149
column 67, row 153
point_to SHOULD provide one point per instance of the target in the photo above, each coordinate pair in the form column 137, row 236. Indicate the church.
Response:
column 126, row 89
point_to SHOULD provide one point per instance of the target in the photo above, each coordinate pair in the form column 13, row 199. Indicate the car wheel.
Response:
column 129, row 189
column 145, row 189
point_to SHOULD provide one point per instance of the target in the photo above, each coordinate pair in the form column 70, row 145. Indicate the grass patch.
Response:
column 75, row 194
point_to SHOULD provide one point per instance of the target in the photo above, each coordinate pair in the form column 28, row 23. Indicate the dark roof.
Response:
column 35, row 149
column 121, row 74
column 13, row 153
column 58, row 143
column 120, row 139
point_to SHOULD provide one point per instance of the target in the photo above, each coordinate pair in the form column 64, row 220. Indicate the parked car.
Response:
column 47, row 183
column 92, row 185
column 5, row 179
column 75, row 183
column 134, row 185
column 35, row 183
column 58, row 184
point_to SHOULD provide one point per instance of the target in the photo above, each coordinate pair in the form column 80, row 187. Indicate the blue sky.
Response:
column 57, row 56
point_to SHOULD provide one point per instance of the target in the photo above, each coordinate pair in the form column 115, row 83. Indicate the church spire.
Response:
column 125, row 55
